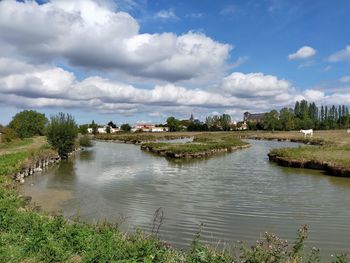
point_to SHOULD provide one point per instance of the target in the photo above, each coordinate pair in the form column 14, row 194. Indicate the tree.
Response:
column 108, row 129
column 111, row 124
column 83, row 128
column 270, row 120
column 28, row 123
column 94, row 127
column 173, row 124
column 287, row 119
column 125, row 127
column 62, row 133
column 225, row 122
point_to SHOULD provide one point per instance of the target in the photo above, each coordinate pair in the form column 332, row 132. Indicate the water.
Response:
column 237, row 196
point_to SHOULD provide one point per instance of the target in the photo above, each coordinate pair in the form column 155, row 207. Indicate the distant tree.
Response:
column 173, row 124
column 297, row 111
column 28, row 123
column 62, row 133
column 94, row 127
column 125, row 127
column 112, row 125
column 270, row 120
column 213, row 123
column 83, row 129
column 286, row 119
column 108, row 129
column 225, row 122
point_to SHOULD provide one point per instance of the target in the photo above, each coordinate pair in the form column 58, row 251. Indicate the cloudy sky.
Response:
column 144, row 60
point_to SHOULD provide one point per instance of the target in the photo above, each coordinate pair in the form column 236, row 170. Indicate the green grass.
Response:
column 201, row 143
column 16, row 143
column 335, row 155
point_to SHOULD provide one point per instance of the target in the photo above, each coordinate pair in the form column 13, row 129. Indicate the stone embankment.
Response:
column 38, row 163
column 311, row 164
column 35, row 165
column 189, row 155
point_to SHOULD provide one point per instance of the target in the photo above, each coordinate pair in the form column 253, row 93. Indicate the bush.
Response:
column 28, row 123
column 85, row 141
column 8, row 135
column 62, row 133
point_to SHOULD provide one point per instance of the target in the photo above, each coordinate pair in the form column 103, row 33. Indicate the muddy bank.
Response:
column 311, row 164
column 188, row 155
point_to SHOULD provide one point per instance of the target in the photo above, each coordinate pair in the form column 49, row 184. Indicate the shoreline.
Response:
column 330, row 168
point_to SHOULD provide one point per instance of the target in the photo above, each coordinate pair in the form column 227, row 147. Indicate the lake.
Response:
column 236, row 196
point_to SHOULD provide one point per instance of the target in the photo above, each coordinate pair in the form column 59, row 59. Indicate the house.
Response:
column 253, row 117
column 160, row 129
column 104, row 129
column 143, row 127
column 148, row 128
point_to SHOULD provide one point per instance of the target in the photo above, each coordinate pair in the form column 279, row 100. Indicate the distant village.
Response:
column 222, row 122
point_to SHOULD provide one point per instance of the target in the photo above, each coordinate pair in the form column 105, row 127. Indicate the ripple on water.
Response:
column 237, row 196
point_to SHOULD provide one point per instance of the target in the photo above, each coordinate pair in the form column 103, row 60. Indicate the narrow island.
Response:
column 326, row 150
column 202, row 145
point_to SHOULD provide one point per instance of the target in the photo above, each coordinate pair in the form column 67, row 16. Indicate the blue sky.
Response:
column 133, row 61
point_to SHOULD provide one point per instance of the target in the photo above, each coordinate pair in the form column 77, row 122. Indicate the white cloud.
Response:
column 256, row 85
column 345, row 79
column 341, row 55
column 167, row 14
column 91, row 35
column 313, row 95
column 239, row 61
column 303, row 53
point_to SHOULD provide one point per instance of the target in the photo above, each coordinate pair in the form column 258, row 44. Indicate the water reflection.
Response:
column 237, row 196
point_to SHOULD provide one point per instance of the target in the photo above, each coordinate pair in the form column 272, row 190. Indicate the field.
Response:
column 18, row 145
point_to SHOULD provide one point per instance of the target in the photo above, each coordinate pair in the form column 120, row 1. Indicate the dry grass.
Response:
column 30, row 144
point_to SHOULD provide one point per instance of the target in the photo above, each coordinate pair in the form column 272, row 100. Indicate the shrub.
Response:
column 85, row 141
column 8, row 135
column 62, row 133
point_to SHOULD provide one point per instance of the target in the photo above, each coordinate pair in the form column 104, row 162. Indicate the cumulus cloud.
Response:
column 313, row 95
column 90, row 34
column 256, row 85
column 303, row 53
column 341, row 55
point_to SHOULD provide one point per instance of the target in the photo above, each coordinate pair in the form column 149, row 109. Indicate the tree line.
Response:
column 304, row 115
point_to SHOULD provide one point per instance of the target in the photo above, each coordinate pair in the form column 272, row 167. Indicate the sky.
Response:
column 145, row 60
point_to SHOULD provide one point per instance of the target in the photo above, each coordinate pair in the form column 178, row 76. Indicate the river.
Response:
column 236, row 196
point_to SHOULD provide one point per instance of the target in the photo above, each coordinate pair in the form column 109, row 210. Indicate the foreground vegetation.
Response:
column 27, row 235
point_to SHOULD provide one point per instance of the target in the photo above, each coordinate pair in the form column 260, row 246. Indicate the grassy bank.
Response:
column 331, row 153
column 139, row 138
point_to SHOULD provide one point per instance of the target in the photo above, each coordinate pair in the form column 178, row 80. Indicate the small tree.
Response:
column 125, row 127
column 28, row 123
column 62, row 133
column 108, row 129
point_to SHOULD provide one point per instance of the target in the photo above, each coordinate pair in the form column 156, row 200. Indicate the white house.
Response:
column 160, row 129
